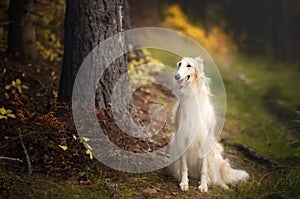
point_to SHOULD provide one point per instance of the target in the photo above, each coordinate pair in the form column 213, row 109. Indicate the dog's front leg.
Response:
column 184, row 184
column 203, row 183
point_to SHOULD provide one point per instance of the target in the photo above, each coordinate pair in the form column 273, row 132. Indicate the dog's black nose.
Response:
column 177, row 76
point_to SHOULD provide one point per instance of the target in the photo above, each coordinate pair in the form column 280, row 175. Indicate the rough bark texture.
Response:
column 87, row 23
column 278, row 30
column 22, row 33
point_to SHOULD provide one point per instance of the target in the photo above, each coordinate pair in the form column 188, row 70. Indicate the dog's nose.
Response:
column 177, row 76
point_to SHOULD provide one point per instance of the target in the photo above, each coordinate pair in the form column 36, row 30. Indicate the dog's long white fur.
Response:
column 195, row 121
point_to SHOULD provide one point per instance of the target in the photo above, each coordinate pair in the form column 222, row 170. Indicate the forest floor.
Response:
column 255, row 136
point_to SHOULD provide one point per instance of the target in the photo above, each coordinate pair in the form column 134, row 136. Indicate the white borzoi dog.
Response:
column 200, row 155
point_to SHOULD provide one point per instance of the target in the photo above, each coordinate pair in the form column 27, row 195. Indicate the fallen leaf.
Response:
column 88, row 152
column 150, row 190
column 85, row 139
column 63, row 147
column 11, row 115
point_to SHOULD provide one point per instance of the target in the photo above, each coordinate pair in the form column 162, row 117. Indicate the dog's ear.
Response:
column 200, row 64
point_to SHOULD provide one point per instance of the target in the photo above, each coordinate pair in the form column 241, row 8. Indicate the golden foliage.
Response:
column 6, row 113
column 50, row 48
column 16, row 86
column 50, row 29
column 142, row 74
column 215, row 42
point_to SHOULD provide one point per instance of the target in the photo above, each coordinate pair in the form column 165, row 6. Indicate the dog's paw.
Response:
column 184, row 186
column 224, row 186
column 203, row 187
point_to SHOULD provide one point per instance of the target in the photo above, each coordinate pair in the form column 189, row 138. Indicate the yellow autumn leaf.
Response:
column 19, row 89
column 63, row 147
column 88, row 152
column 74, row 137
column 18, row 81
column 8, row 111
column 88, row 146
column 3, row 117
column 25, row 87
column 85, row 139
column 7, row 87
column 2, row 111
column 11, row 116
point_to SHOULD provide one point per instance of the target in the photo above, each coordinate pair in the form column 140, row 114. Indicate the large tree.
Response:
column 87, row 23
column 22, row 29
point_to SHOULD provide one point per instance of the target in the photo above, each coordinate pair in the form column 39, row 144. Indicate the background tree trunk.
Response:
column 87, row 23
column 287, row 12
column 269, row 33
column 22, row 32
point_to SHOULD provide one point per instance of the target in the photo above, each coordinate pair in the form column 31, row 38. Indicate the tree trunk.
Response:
column 286, row 30
column 22, row 34
column 87, row 23
column 269, row 33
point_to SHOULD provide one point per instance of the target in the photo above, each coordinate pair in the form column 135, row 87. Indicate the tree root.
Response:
column 253, row 154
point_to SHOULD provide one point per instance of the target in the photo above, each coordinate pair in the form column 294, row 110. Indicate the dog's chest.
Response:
column 193, row 110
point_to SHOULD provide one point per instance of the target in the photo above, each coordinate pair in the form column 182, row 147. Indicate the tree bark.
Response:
column 87, row 23
column 286, row 30
column 269, row 28
column 22, row 34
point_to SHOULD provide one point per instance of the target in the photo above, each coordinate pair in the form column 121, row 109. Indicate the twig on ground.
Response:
column 12, row 159
column 26, row 153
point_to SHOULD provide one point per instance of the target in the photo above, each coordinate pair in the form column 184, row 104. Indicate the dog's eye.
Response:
column 188, row 65
column 179, row 64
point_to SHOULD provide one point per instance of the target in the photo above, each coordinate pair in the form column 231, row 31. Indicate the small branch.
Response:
column 33, row 13
column 12, row 159
column 26, row 154
column 5, row 23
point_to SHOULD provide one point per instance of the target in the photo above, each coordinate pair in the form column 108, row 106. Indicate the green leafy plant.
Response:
column 6, row 113
column 52, row 50
column 16, row 86
column 143, row 74
column 83, row 140
column 89, row 149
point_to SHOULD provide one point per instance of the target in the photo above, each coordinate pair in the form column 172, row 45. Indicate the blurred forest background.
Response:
column 264, row 28
column 255, row 44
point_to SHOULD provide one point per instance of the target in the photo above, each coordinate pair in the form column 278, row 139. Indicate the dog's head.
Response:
column 189, row 70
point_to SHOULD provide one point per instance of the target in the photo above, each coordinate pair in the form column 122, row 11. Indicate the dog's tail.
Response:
column 226, row 172
column 232, row 176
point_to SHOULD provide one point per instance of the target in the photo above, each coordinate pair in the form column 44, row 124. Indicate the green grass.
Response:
column 281, row 80
column 41, row 186
column 248, row 119
column 249, row 122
